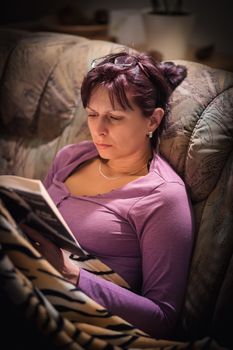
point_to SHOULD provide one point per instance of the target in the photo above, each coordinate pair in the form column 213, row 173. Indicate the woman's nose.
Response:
column 101, row 127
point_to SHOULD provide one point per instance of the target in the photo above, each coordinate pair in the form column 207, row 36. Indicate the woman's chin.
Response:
column 104, row 151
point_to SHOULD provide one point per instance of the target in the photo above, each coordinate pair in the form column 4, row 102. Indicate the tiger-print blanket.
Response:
column 58, row 310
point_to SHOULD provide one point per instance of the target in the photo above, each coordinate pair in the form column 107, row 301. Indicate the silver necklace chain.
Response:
column 117, row 177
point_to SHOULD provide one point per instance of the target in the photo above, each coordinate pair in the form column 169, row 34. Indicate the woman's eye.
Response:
column 113, row 117
column 91, row 115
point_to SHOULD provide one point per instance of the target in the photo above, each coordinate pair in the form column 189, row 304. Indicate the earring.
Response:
column 150, row 134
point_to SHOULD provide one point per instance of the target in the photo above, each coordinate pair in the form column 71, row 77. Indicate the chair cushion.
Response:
column 199, row 139
column 199, row 144
column 40, row 88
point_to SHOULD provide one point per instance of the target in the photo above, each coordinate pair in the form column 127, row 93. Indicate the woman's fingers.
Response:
column 58, row 258
column 37, row 238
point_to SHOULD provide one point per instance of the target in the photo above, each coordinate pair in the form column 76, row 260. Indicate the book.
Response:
column 29, row 203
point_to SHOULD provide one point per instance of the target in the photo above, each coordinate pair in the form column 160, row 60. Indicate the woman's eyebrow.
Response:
column 110, row 111
column 90, row 108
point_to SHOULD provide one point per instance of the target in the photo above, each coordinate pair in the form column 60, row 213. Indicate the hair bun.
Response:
column 173, row 73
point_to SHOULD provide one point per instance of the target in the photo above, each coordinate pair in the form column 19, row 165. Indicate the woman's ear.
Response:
column 156, row 118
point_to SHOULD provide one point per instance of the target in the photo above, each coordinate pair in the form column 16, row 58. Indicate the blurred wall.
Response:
column 213, row 19
column 213, row 24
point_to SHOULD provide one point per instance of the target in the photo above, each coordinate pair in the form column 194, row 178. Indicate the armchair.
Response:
column 41, row 111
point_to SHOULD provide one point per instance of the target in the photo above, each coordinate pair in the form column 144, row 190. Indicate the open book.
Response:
column 29, row 203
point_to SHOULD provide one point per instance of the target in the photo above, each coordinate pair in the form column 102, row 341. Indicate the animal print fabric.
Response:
column 60, row 312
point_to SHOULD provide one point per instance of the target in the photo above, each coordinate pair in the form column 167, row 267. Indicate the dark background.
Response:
column 213, row 18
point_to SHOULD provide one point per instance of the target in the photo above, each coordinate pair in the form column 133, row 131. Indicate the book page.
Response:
column 33, row 193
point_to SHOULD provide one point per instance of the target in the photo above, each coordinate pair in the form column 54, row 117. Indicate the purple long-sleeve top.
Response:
column 143, row 231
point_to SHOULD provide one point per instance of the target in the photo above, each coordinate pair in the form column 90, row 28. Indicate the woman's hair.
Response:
column 150, row 83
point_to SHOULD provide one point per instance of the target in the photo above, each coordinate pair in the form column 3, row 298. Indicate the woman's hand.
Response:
column 56, row 256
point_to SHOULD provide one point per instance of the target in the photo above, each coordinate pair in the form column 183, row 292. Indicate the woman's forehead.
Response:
column 102, row 94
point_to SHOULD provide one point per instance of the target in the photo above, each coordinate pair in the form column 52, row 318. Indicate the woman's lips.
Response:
column 102, row 145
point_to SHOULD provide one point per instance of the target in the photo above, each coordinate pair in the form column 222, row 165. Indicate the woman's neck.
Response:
column 131, row 165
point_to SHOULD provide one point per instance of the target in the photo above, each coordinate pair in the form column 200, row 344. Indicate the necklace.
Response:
column 117, row 177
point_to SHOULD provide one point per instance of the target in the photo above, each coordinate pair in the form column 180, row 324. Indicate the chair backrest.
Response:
column 40, row 106
column 199, row 145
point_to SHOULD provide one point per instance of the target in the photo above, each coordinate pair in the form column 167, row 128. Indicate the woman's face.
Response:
column 117, row 133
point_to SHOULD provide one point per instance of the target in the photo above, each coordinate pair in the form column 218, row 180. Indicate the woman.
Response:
column 124, row 202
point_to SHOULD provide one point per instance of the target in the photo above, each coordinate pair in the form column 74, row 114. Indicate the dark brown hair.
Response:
column 149, row 82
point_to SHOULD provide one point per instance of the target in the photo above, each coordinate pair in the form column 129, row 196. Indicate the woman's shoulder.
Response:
column 163, row 186
column 69, row 157
column 162, row 168
column 166, row 195
column 71, row 152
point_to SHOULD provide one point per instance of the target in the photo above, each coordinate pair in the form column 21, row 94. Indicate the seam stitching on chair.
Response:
column 199, row 120
column 69, row 46
column 7, row 61
column 36, row 114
